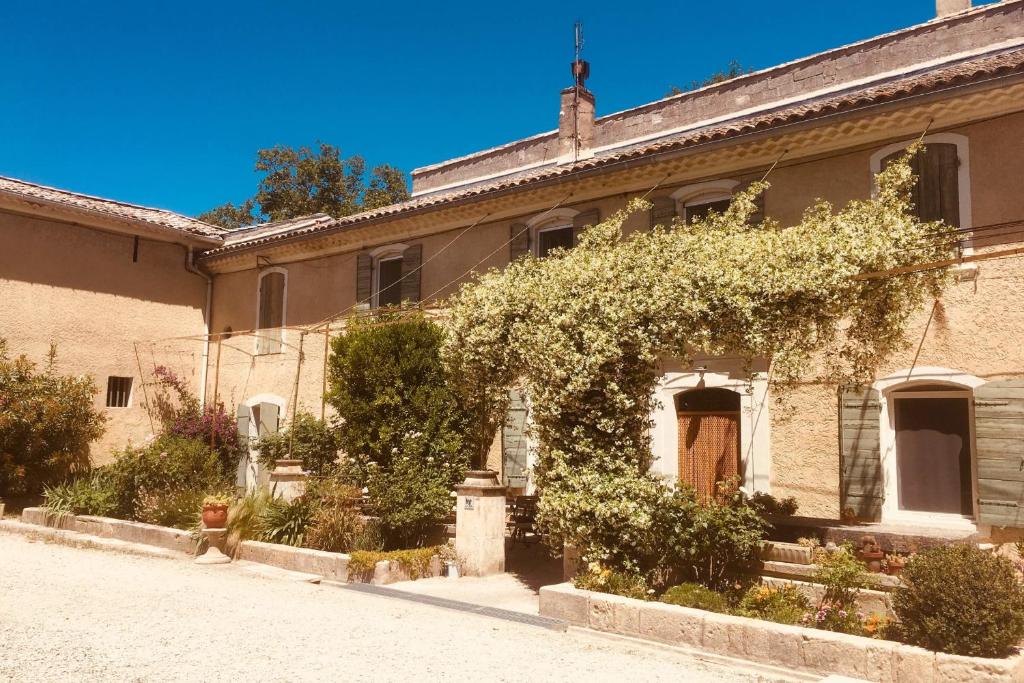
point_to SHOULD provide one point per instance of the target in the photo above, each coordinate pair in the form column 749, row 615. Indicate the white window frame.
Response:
column 755, row 418
column 891, row 389
column 703, row 193
column 391, row 252
column 558, row 219
column 284, row 309
column 963, row 177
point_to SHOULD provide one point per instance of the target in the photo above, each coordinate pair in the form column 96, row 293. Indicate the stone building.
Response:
column 937, row 439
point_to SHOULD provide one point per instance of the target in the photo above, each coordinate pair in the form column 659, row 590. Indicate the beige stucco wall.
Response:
column 977, row 331
column 78, row 288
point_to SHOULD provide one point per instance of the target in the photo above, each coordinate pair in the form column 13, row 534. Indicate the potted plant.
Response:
column 215, row 511
column 894, row 564
column 871, row 554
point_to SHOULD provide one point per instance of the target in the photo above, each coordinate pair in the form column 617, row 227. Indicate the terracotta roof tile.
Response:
column 972, row 69
column 133, row 212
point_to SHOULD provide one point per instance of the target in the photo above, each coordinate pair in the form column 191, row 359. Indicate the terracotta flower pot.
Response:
column 215, row 516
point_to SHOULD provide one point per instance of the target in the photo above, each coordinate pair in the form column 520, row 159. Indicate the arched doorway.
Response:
column 709, row 438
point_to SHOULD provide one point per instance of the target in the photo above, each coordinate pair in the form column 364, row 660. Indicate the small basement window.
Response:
column 119, row 391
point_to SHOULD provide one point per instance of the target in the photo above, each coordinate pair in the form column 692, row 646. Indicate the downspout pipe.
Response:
column 190, row 266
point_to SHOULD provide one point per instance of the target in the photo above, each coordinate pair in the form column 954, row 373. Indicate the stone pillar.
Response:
column 288, row 480
column 480, row 523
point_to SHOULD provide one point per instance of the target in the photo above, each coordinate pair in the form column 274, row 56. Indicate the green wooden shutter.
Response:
column 936, row 194
column 364, row 279
column 663, row 210
column 860, row 460
column 519, row 241
column 999, row 433
column 244, row 416
column 582, row 221
column 412, row 259
column 268, row 419
column 513, row 437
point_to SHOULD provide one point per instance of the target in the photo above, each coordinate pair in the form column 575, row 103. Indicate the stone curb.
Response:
column 333, row 566
column 764, row 642
column 77, row 540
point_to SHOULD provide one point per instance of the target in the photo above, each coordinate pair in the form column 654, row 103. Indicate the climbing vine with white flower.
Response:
column 583, row 331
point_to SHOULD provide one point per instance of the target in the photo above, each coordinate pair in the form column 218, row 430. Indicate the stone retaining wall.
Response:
column 333, row 566
column 108, row 527
column 792, row 647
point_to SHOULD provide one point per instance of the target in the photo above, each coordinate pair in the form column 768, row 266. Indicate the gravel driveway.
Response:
column 90, row 615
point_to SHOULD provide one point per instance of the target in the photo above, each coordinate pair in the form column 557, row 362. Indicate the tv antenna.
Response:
column 580, row 68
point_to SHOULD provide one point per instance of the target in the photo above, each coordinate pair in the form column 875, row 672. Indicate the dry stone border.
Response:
column 332, row 566
column 764, row 642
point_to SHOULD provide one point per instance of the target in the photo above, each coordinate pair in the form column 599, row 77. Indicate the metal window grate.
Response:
column 119, row 391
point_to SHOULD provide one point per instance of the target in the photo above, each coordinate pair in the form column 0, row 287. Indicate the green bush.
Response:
column 245, row 519
column 961, row 600
column 308, row 439
column 400, row 420
column 768, row 505
column 720, row 540
column 696, row 596
column 336, row 523
column 784, row 604
column 93, row 494
column 415, row 562
column 168, row 464
column 284, row 522
column 181, row 508
column 46, row 424
column 603, row 580
column 842, row 575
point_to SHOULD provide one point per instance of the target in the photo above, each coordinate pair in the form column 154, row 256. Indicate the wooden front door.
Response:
column 709, row 450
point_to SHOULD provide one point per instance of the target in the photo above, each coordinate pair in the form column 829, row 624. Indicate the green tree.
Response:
column 400, row 420
column 301, row 181
column 46, row 424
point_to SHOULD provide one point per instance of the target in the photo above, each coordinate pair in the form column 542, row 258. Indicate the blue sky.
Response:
column 165, row 104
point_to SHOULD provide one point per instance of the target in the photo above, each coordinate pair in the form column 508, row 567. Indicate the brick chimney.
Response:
column 943, row 8
column 576, row 118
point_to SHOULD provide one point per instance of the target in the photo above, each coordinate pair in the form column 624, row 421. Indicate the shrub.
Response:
column 46, row 424
column 962, row 600
column 284, row 522
column 835, row 617
column 696, row 596
column 784, row 604
column 401, row 421
column 768, row 505
column 410, row 500
column 842, row 575
column 721, row 540
column 169, row 463
column 336, row 523
column 308, row 439
column 415, row 562
column 93, row 494
column 603, row 580
column 181, row 415
column 180, row 508
column 244, row 519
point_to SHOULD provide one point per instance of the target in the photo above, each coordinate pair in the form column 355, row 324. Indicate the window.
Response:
column 936, row 194
column 698, row 209
column 119, row 392
column 694, row 202
column 389, row 286
column 933, row 449
column 271, row 306
column 554, row 238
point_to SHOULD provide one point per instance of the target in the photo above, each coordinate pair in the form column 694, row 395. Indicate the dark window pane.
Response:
column 119, row 391
column 933, row 455
column 389, row 289
column 696, row 212
column 936, row 194
column 553, row 239
column 709, row 400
